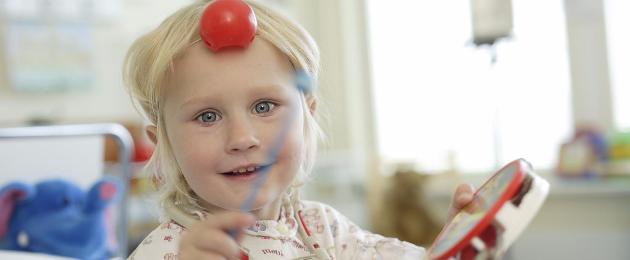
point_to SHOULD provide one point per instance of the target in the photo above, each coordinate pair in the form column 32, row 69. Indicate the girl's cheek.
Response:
column 294, row 147
column 203, row 155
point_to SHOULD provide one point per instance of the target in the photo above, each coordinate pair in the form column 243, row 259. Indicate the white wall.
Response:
column 588, row 55
column 107, row 99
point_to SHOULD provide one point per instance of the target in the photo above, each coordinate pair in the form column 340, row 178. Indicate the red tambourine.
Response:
column 227, row 23
column 499, row 212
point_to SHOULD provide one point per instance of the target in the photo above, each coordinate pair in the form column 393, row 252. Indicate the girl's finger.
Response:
column 463, row 195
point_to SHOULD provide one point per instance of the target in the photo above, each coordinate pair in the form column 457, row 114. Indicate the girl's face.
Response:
column 224, row 112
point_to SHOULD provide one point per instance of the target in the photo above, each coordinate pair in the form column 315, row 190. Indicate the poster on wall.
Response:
column 48, row 57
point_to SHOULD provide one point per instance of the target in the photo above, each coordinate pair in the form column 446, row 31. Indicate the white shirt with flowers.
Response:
column 268, row 239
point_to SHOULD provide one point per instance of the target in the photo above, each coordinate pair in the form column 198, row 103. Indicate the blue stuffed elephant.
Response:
column 57, row 217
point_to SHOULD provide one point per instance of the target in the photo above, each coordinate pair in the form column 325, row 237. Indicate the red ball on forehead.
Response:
column 227, row 23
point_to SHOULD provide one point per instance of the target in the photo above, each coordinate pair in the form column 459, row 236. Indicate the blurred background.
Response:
column 417, row 97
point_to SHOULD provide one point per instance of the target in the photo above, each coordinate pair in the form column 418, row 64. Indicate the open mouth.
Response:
column 247, row 171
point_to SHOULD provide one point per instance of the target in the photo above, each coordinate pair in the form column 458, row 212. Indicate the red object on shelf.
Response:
column 144, row 151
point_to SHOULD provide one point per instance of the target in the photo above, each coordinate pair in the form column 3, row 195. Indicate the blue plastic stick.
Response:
column 303, row 83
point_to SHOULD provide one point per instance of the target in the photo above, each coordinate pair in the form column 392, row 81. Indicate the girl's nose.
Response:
column 241, row 137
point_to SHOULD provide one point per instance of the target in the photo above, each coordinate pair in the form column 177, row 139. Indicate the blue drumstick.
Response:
column 303, row 83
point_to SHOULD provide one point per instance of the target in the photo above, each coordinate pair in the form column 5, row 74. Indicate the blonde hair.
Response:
column 150, row 62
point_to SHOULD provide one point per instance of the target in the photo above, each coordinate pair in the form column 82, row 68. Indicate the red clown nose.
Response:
column 227, row 23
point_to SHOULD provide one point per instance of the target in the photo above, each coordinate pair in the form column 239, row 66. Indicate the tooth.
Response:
column 242, row 170
column 235, row 171
column 250, row 169
column 257, row 167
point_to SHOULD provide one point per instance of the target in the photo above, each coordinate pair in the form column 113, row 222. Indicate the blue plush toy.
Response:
column 56, row 217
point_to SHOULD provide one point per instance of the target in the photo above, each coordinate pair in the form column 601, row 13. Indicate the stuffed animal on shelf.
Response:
column 56, row 217
column 586, row 155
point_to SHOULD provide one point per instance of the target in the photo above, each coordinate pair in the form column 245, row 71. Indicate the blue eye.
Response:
column 263, row 107
column 208, row 117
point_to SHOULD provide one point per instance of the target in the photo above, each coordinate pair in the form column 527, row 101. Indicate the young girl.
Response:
column 216, row 118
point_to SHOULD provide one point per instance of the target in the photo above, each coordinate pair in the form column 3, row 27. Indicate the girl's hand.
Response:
column 463, row 196
column 210, row 239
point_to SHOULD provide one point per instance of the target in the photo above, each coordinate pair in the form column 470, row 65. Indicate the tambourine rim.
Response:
column 509, row 192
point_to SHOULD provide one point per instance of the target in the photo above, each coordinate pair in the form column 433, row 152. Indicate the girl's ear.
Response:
column 312, row 104
column 152, row 133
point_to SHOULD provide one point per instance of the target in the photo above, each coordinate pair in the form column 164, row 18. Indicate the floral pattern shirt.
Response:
column 280, row 239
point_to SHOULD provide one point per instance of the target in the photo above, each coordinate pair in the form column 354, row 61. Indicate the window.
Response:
column 618, row 38
column 438, row 97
